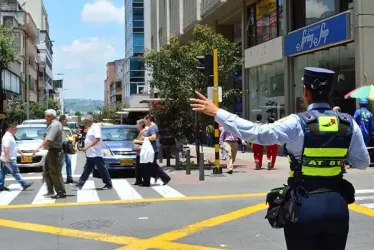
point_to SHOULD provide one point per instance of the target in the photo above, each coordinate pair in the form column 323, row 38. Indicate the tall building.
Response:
column 44, row 44
column 25, row 68
column 13, row 78
column 109, row 80
column 137, row 40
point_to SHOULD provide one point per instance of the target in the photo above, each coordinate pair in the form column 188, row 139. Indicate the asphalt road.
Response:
column 224, row 212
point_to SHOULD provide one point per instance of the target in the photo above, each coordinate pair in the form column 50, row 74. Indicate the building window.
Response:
column 312, row 11
column 140, row 89
column 266, row 86
column 265, row 21
column 138, row 39
column 133, row 88
column 136, row 63
column 138, row 14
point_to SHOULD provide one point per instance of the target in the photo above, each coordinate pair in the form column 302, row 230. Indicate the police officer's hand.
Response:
column 204, row 105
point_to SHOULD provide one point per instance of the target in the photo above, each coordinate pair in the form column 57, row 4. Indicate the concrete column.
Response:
column 245, row 90
column 289, row 89
column 363, row 24
column 167, row 21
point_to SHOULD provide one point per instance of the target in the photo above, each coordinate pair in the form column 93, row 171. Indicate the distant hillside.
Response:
column 82, row 105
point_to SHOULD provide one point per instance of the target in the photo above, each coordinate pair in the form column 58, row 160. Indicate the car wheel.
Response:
column 96, row 174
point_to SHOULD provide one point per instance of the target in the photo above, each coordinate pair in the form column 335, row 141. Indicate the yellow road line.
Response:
column 68, row 232
column 120, row 240
column 188, row 198
column 362, row 210
column 196, row 227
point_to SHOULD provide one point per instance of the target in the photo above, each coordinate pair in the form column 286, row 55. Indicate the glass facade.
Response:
column 266, row 90
column 265, row 21
column 340, row 59
column 134, row 80
column 311, row 11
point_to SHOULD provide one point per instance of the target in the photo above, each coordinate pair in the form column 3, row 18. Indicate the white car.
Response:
column 28, row 138
column 35, row 121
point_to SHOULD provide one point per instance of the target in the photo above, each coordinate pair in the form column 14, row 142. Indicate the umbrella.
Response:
column 365, row 92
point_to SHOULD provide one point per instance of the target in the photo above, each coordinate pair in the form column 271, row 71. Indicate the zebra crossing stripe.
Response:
column 369, row 205
column 125, row 191
column 8, row 197
column 88, row 192
column 40, row 198
column 167, row 191
column 365, row 191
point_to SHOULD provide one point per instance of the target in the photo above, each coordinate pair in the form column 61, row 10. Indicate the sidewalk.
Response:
column 243, row 160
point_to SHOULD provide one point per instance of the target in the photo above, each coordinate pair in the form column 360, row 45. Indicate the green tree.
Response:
column 7, row 51
column 110, row 111
column 176, row 78
column 77, row 113
column 52, row 104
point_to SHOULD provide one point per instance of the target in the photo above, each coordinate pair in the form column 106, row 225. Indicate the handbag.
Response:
column 147, row 153
column 137, row 147
column 68, row 148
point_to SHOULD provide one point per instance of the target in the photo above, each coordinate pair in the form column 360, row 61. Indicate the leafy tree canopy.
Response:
column 174, row 74
column 110, row 112
column 7, row 51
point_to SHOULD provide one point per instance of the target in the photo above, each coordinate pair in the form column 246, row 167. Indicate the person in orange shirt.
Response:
column 257, row 149
column 271, row 150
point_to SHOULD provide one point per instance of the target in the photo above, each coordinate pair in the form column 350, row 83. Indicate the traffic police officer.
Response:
column 317, row 141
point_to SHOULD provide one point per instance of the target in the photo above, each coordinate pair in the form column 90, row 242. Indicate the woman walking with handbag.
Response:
column 137, row 147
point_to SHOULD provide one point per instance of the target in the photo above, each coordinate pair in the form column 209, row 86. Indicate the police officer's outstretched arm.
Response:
column 267, row 134
column 358, row 155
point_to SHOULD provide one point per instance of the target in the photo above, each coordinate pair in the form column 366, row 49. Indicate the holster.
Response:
column 282, row 207
column 347, row 191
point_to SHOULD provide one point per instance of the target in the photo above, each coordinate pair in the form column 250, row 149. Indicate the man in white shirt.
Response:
column 8, row 157
column 94, row 155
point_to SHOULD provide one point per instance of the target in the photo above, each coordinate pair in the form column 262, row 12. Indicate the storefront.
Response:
column 327, row 44
column 266, row 90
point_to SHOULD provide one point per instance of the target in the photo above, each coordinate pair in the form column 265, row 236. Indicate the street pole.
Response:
column 217, row 166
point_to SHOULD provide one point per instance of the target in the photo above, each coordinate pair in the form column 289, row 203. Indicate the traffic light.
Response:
column 206, row 64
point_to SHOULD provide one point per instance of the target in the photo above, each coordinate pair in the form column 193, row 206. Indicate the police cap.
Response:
column 318, row 79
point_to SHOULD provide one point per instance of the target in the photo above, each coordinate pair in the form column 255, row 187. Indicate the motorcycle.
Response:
column 80, row 143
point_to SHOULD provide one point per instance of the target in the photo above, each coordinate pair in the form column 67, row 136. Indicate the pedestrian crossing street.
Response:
column 91, row 192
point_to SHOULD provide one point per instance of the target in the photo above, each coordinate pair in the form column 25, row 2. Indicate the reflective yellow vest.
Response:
column 327, row 136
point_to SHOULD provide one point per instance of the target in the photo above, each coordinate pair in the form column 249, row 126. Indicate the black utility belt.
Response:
column 54, row 149
column 284, row 202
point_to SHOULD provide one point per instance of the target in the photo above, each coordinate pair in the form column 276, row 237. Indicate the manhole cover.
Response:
column 133, row 205
column 92, row 224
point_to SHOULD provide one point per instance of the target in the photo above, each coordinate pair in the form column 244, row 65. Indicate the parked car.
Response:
column 34, row 121
column 73, row 127
column 118, row 147
column 28, row 138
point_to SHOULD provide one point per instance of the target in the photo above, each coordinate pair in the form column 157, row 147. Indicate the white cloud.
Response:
column 315, row 8
column 102, row 11
column 84, row 64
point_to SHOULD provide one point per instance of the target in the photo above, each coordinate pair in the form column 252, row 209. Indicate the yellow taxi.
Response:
column 69, row 135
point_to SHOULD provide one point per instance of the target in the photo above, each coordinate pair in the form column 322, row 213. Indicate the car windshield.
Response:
column 67, row 132
column 34, row 122
column 31, row 133
column 119, row 134
column 72, row 125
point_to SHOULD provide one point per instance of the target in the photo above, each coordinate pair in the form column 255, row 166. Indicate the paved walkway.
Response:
column 242, row 159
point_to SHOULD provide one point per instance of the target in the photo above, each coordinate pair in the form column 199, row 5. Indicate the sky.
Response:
column 87, row 35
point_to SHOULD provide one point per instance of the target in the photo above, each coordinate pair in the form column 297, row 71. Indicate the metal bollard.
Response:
column 161, row 156
column 168, row 157
column 188, row 162
column 201, row 167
